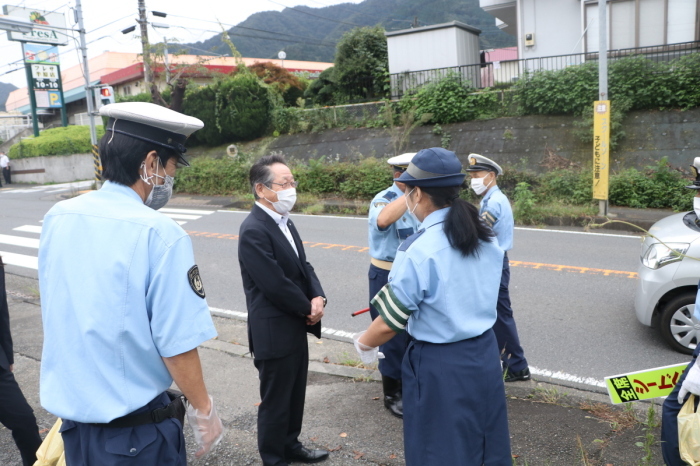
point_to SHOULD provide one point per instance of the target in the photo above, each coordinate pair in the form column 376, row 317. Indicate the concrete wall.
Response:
column 57, row 169
column 525, row 142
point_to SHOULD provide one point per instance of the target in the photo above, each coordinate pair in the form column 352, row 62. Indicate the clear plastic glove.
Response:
column 208, row 430
column 691, row 384
column 367, row 354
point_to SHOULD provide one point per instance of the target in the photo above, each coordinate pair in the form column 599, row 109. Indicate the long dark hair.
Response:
column 463, row 226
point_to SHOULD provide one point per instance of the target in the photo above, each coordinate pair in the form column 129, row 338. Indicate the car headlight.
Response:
column 659, row 254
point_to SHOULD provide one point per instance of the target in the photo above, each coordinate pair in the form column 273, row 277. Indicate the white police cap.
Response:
column 402, row 160
column 695, row 170
column 152, row 123
column 479, row 163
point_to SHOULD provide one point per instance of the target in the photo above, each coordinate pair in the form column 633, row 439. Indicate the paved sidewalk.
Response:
column 344, row 412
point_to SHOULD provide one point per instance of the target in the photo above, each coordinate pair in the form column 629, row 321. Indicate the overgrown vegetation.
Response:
column 55, row 141
column 563, row 193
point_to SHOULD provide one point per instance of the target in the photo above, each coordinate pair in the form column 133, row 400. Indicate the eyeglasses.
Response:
column 287, row 184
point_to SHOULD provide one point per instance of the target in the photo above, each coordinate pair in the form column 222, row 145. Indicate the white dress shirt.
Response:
column 281, row 221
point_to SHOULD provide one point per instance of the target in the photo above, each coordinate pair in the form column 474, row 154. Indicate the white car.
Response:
column 668, row 281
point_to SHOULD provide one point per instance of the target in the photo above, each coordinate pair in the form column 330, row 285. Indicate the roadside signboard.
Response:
column 43, row 22
column 601, row 149
column 643, row 385
column 42, row 64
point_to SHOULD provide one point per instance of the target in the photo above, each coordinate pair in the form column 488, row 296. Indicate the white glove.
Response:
column 208, row 430
column 691, row 384
column 367, row 354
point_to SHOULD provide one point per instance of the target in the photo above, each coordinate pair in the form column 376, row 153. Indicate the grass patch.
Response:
column 619, row 419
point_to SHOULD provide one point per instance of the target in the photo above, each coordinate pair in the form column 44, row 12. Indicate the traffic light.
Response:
column 104, row 95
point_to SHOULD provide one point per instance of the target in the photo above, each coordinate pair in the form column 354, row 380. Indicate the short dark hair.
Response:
column 260, row 171
column 122, row 155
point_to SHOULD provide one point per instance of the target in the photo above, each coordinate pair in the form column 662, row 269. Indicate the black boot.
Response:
column 392, row 396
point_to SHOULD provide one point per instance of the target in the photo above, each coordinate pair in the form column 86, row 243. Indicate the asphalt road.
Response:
column 572, row 291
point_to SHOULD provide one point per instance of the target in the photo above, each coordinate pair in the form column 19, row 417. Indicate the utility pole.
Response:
column 145, row 45
column 603, row 76
column 88, row 93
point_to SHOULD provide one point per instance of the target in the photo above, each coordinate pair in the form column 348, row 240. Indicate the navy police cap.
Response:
column 433, row 168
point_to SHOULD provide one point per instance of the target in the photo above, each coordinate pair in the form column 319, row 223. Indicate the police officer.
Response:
column 689, row 382
column 389, row 226
column 496, row 212
column 442, row 290
column 123, row 306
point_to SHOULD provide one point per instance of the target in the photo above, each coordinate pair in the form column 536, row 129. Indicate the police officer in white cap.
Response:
column 496, row 212
column 689, row 382
column 389, row 225
column 123, row 305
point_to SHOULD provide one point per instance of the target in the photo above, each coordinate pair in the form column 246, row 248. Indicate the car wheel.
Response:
column 679, row 327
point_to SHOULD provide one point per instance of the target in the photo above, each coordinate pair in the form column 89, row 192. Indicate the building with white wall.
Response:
column 546, row 28
column 445, row 46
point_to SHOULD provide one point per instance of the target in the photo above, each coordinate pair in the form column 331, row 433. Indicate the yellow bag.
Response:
column 51, row 453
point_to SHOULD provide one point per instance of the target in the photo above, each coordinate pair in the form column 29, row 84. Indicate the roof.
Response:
column 119, row 67
column 453, row 24
column 504, row 54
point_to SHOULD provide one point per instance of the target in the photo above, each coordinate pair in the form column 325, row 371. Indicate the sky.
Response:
column 105, row 19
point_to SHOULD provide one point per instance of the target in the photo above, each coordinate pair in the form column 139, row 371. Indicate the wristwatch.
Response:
column 325, row 301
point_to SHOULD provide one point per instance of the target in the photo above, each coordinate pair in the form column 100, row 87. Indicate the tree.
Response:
column 362, row 63
column 288, row 85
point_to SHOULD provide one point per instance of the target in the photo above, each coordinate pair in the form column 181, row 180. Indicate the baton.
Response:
column 361, row 311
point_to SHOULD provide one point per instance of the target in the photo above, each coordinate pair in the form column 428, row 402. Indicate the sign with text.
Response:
column 37, row 53
column 49, row 27
column 45, row 77
column 643, row 385
column 601, row 149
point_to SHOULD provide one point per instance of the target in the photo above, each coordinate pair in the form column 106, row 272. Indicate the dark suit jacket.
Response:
column 278, row 287
column 6, row 355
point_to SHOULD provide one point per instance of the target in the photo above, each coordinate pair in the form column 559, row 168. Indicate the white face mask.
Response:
column 161, row 193
column 410, row 211
column 285, row 200
column 696, row 206
column 478, row 185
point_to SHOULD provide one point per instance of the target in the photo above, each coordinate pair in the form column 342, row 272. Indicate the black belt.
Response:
column 176, row 409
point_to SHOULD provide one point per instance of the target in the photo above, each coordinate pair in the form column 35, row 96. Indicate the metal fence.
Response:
column 491, row 74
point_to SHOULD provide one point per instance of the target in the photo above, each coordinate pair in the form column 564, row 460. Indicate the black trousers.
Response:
column 6, row 173
column 18, row 416
column 281, row 411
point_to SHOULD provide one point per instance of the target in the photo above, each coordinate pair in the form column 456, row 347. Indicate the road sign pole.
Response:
column 64, row 115
column 603, row 76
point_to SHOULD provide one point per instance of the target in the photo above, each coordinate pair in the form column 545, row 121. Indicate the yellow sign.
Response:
column 601, row 148
column 643, row 385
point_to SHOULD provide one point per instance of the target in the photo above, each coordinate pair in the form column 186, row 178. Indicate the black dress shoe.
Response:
column 394, row 404
column 304, row 455
column 516, row 376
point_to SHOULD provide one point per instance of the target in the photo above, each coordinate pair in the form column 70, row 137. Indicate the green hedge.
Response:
column 659, row 186
column 56, row 141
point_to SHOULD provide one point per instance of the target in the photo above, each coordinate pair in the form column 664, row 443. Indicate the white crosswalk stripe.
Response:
column 51, row 188
column 181, row 216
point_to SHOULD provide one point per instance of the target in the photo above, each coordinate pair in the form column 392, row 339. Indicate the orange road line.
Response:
column 529, row 265
column 570, row 268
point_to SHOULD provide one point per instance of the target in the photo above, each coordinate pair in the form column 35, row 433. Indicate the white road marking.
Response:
column 20, row 260
column 186, row 211
column 19, row 241
column 182, row 216
column 348, row 335
column 29, row 228
column 52, row 188
column 579, row 233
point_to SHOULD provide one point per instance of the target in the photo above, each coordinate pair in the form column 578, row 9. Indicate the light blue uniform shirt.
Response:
column 498, row 214
column 118, row 283
column 437, row 294
column 384, row 243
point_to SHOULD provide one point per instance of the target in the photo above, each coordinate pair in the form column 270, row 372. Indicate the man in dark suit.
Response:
column 15, row 412
column 285, row 301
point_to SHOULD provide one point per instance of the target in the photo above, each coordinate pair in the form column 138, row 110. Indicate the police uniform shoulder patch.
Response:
column 390, row 196
column 409, row 241
column 489, row 218
column 196, row 281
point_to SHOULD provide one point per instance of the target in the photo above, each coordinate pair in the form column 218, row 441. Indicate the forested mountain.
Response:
column 5, row 89
column 306, row 33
